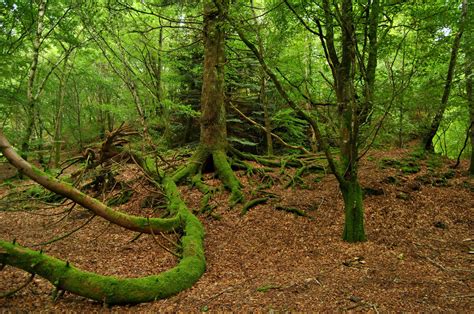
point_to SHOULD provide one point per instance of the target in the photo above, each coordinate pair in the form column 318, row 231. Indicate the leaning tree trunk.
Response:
column 430, row 134
column 110, row 289
column 213, row 139
column 469, row 61
column 113, row 290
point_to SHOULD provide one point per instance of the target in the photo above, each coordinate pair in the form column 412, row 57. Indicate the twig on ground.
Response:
column 12, row 292
column 161, row 245
column 65, row 235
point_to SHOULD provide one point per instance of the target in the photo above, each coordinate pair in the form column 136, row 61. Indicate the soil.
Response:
column 418, row 257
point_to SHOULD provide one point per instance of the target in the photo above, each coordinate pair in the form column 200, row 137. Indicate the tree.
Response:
column 469, row 60
column 430, row 134
column 350, row 110
column 213, row 139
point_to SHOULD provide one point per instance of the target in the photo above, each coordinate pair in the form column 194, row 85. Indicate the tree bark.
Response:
column 354, row 230
column 59, row 113
column 213, row 114
column 468, row 65
column 262, row 95
column 213, row 143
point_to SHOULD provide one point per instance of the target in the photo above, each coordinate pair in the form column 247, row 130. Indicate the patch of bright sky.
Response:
column 446, row 31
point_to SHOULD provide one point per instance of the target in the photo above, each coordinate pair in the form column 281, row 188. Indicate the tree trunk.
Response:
column 110, row 289
column 354, row 230
column 213, row 138
column 31, row 95
column 262, row 96
column 266, row 114
column 469, row 62
column 428, row 140
column 59, row 115
column 213, row 115
column 349, row 128
column 470, row 101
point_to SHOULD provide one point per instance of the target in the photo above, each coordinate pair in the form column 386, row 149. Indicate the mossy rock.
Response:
column 367, row 191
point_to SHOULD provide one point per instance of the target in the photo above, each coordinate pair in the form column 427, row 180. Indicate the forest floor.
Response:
column 418, row 257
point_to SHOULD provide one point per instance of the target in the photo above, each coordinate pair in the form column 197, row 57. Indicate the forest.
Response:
column 245, row 155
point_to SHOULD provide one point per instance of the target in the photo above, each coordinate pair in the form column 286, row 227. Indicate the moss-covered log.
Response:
column 110, row 289
column 131, row 222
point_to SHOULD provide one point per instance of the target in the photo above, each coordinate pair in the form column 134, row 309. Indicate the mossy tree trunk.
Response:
column 350, row 111
column 213, row 138
column 213, row 115
column 354, row 230
column 113, row 290
column 32, row 76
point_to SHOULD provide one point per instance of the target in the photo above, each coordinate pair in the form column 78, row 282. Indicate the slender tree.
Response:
column 430, row 134
column 469, row 61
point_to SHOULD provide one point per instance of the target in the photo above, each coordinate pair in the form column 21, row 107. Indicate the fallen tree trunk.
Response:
column 110, row 289
column 131, row 222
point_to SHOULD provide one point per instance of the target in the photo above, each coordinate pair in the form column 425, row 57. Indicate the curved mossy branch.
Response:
column 110, row 289
column 131, row 222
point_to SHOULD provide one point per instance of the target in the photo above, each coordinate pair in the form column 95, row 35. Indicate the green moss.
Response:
column 227, row 176
column 410, row 167
column 113, row 290
column 193, row 166
column 266, row 288
column 354, row 230
column 252, row 203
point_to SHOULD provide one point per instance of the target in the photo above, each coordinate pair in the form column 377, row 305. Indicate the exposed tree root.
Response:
column 293, row 210
column 131, row 222
column 221, row 166
column 252, row 203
